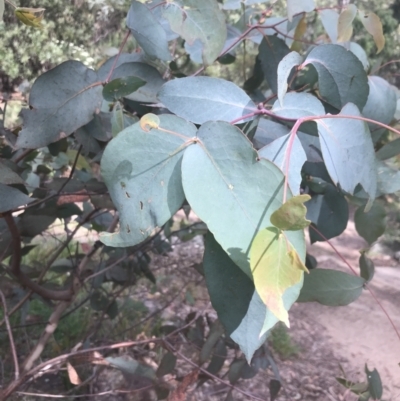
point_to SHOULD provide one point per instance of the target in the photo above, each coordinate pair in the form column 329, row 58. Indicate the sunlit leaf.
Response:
column 292, row 214
column 275, row 266
column 373, row 25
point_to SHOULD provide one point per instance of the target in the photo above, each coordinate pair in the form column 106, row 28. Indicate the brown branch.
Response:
column 10, row 336
column 61, row 295
column 49, row 264
column 62, row 306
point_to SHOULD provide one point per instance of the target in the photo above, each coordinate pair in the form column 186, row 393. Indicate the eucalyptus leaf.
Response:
column 147, row 31
column 11, row 198
column 201, row 99
column 68, row 89
column 330, row 287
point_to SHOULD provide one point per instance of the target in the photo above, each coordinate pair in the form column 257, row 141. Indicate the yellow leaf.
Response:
column 149, row 121
column 373, row 25
column 301, row 29
column 292, row 214
column 275, row 266
column 345, row 23
column 30, row 16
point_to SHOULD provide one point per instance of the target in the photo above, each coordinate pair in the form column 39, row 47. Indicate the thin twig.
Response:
column 117, row 57
column 207, row 373
column 10, row 336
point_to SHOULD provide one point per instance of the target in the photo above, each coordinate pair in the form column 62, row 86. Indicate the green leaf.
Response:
column 122, row 87
column 147, row 31
column 142, row 172
column 105, row 68
column 285, row 67
column 30, row 16
column 299, row 6
column 348, row 151
column 367, row 268
column 226, row 186
column 359, row 52
column 11, row 198
column 167, row 365
column 329, row 212
column 330, row 19
column 389, row 150
column 201, row 99
column 235, row 370
column 374, row 383
column 297, row 105
column 381, row 103
column 330, row 287
column 153, row 79
column 271, row 51
column 8, row 175
column 275, row 266
column 345, row 23
column 339, row 83
column 215, row 334
column 292, row 214
column 238, row 305
column 372, row 224
column 373, row 25
column 66, row 90
column 218, row 359
column 200, row 21
column 288, row 159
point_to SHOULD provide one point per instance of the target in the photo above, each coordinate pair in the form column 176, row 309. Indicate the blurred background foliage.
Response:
column 90, row 31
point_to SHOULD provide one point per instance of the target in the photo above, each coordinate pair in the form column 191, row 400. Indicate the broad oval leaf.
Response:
column 201, row 21
column 67, row 90
column 227, row 187
column 147, row 31
column 7, row 173
column 382, row 102
column 373, row 25
column 285, row 66
column 105, row 68
column 297, row 105
column 348, row 151
column 339, row 83
column 121, row 87
column 371, row 224
column 201, row 99
column 288, row 157
column 271, row 51
column 142, row 172
column 275, row 266
column 11, row 198
column 330, row 19
column 292, row 214
column 298, row 6
column 147, row 73
column 330, row 287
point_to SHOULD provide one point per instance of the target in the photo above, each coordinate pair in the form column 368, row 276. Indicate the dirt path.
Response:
column 361, row 331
